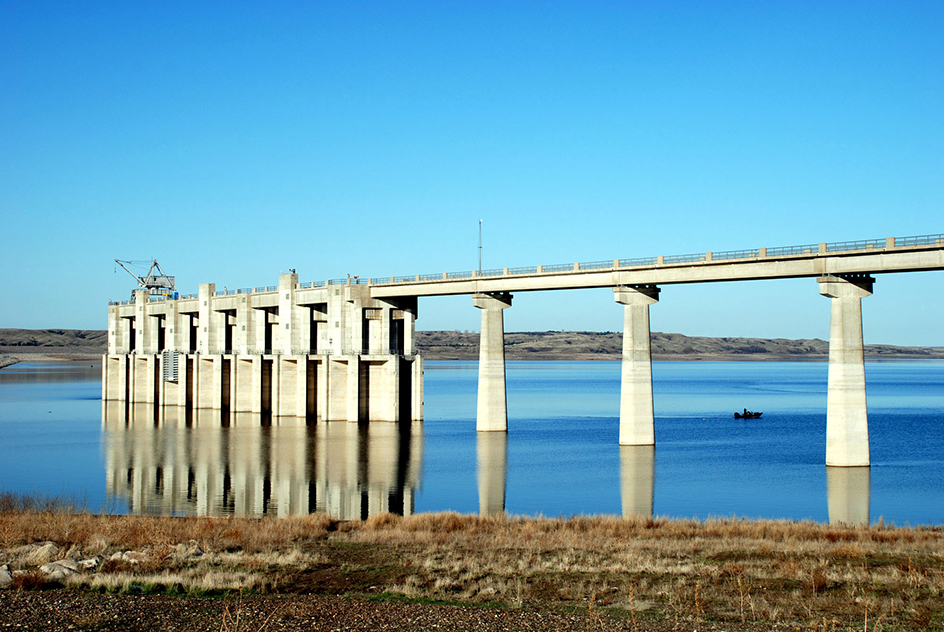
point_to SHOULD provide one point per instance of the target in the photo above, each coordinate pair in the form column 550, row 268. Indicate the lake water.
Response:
column 560, row 456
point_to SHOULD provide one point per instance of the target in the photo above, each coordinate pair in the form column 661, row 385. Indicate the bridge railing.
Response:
column 684, row 258
column 846, row 246
column 643, row 261
column 922, row 240
column 558, row 267
column 729, row 255
column 524, row 270
column 786, row 251
column 596, row 265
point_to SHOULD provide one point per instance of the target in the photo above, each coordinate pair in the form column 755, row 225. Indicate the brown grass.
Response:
column 804, row 574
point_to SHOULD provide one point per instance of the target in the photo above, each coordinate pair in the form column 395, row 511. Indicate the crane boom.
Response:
column 158, row 283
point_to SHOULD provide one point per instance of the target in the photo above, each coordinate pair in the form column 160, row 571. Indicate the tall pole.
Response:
column 480, row 247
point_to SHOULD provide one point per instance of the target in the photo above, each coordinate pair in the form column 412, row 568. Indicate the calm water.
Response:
column 560, row 456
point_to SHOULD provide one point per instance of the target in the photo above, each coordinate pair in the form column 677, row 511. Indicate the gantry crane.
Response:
column 160, row 284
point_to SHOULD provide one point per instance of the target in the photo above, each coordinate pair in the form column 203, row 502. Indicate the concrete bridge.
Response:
column 843, row 270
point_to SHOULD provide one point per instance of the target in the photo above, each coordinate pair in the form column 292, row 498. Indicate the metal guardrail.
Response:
column 846, row 246
column 632, row 263
column 921, row 240
column 596, row 265
column 728, row 255
column 492, row 273
column 684, row 258
column 525, row 270
column 558, row 267
column 459, row 275
column 793, row 250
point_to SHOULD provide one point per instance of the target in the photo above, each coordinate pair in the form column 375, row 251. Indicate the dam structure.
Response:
column 317, row 351
column 353, row 370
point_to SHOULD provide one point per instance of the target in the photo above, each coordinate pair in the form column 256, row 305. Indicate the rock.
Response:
column 41, row 553
column 55, row 571
column 91, row 563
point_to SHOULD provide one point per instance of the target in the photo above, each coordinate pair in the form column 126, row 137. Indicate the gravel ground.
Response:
column 73, row 610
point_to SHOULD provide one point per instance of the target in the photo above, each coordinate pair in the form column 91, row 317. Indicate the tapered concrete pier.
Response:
column 636, row 413
column 492, row 411
column 847, row 422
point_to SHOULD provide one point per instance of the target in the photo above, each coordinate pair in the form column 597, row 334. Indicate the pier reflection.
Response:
column 492, row 453
column 204, row 462
column 637, row 479
column 848, row 490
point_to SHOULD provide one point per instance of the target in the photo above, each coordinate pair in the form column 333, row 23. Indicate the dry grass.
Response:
column 804, row 574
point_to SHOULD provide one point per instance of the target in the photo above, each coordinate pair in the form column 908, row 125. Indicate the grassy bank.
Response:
column 638, row 571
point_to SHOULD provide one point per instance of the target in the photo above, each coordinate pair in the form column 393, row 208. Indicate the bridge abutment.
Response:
column 636, row 411
column 847, row 423
column 492, row 409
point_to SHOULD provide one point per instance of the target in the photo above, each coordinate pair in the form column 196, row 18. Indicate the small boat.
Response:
column 747, row 414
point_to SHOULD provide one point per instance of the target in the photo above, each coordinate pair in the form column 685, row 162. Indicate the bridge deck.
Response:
column 912, row 254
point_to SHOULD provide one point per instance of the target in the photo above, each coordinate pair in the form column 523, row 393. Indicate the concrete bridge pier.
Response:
column 636, row 415
column 847, row 423
column 492, row 411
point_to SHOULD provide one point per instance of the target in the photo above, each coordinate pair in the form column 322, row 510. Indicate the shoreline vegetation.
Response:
column 39, row 345
column 465, row 572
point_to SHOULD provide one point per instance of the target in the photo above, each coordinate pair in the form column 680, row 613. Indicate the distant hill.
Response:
column 593, row 345
column 527, row 345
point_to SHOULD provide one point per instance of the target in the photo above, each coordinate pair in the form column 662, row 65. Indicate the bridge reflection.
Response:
column 208, row 463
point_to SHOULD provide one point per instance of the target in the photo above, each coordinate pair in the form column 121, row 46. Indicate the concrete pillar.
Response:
column 492, row 453
column 353, row 388
column 636, row 412
column 289, row 337
column 418, row 391
column 848, row 491
column 847, row 423
column 141, row 323
column 637, row 479
column 492, row 412
column 207, row 330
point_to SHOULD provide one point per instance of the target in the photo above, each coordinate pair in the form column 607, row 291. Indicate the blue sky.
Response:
column 233, row 141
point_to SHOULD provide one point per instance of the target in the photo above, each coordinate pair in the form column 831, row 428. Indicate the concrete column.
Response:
column 301, row 386
column 418, row 391
column 492, row 453
column 289, row 325
column 848, row 491
column 207, row 330
column 636, row 413
column 492, row 412
column 847, row 423
column 141, row 324
column 637, row 479
column 256, row 401
column 353, row 388
column 245, row 330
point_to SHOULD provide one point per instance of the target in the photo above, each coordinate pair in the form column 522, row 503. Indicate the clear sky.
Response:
column 233, row 141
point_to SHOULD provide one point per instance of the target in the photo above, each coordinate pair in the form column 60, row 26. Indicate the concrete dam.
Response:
column 344, row 349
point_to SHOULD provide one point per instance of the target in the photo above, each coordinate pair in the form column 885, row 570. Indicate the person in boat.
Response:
column 746, row 413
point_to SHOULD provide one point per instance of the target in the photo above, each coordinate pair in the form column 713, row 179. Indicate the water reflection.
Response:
column 492, row 453
column 173, row 461
column 848, row 490
column 637, row 479
column 48, row 373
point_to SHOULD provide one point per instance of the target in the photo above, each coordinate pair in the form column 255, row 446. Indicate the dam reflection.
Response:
column 204, row 462
column 637, row 479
